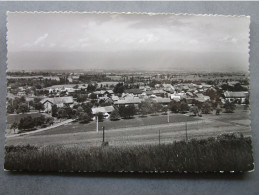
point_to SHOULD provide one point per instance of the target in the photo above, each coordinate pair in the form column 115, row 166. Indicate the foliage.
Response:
column 180, row 106
column 39, row 106
column 164, row 109
column 54, row 110
column 229, row 106
column 93, row 96
column 100, row 116
column 156, row 107
column 119, row 88
column 14, row 126
column 206, row 108
column 84, row 118
column 18, row 105
column 174, row 106
column 145, row 108
column 127, row 111
column 91, row 88
column 224, row 153
column 114, row 115
column 194, row 110
column 236, row 87
column 29, row 123
column 184, row 107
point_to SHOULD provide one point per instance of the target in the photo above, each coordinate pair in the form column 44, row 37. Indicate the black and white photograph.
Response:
column 127, row 92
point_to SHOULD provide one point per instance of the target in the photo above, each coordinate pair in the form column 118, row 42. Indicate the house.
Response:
column 164, row 101
column 128, row 101
column 105, row 100
column 236, row 96
column 106, row 110
column 59, row 101
column 168, row 88
column 115, row 98
column 202, row 98
column 175, row 97
column 158, row 92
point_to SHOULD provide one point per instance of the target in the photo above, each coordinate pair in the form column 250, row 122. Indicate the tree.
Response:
column 14, row 126
column 62, row 113
column 206, row 108
column 229, row 107
column 131, row 111
column 87, row 109
column 145, row 108
column 69, row 111
column 174, row 106
column 156, row 107
column 54, row 110
column 218, row 110
column 194, row 110
column 23, row 107
column 184, row 107
column 119, row 88
column 84, row 118
column 114, row 115
column 26, row 123
column 93, row 96
column 91, row 88
column 164, row 110
column 100, row 116
column 10, row 109
column 127, row 111
column 39, row 106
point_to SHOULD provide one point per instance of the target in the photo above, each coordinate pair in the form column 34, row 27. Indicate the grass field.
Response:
column 224, row 153
column 137, row 121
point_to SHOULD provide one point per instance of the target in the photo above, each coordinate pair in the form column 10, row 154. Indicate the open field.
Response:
column 123, row 123
column 225, row 153
column 199, row 127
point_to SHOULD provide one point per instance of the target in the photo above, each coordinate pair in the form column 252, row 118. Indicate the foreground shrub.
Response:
column 224, row 153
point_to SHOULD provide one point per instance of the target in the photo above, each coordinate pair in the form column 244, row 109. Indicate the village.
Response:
column 37, row 100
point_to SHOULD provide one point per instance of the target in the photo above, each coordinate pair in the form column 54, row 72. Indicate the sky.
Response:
column 38, row 41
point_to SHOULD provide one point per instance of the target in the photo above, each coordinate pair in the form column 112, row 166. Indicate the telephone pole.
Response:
column 97, row 124
column 103, row 133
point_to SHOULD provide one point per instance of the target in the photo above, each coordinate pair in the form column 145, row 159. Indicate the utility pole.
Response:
column 103, row 133
column 97, row 124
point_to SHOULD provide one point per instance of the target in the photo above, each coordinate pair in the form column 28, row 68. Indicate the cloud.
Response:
column 41, row 39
